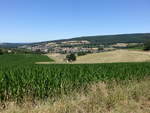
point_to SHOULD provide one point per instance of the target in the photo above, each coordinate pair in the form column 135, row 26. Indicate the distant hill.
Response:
column 11, row 45
column 100, row 39
column 109, row 39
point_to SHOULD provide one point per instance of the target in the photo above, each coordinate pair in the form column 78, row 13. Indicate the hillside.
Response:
column 11, row 45
column 99, row 39
column 115, row 56
column 109, row 39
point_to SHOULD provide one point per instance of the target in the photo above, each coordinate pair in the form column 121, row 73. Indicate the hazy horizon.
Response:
column 77, row 37
column 25, row 21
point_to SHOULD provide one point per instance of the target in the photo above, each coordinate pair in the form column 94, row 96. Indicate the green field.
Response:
column 43, row 81
column 23, row 58
column 67, row 88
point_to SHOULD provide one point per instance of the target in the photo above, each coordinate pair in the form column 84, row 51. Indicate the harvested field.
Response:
column 115, row 56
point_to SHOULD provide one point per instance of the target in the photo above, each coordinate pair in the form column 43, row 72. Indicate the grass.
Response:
column 23, row 58
column 109, row 97
column 136, row 48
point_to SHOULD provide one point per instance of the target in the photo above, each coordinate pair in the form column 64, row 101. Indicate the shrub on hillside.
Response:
column 1, row 51
column 147, row 46
column 71, row 57
column 81, row 53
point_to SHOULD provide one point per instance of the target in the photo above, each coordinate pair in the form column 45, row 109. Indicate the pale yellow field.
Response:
column 104, row 57
column 115, row 56
column 57, row 57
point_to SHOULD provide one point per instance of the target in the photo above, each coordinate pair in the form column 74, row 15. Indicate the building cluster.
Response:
column 75, row 42
column 73, row 50
column 53, row 47
column 38, row 48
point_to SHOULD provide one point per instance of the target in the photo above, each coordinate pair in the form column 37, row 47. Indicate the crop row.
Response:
column 43, row 81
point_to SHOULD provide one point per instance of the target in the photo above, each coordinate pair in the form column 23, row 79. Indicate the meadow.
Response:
column 15, row 59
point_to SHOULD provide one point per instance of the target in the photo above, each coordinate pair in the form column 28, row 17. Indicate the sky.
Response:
column 45, row 20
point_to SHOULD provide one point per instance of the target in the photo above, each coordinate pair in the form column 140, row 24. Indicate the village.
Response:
column 64, row 47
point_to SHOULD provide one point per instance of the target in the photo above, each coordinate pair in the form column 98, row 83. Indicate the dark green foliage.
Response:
column 81, row 53
column 112, row 39
column 23, row 58
column 147, row 46
column 100, row 48
column 135, row 47
column 1, row 51
column 43, row 81
column 38, row 51
column 71, row 57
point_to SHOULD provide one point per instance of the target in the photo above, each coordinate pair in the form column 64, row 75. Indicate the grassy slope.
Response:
column 115, row 56
column 23, row 58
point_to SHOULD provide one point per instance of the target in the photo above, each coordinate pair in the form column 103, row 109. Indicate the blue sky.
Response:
column 42, row 20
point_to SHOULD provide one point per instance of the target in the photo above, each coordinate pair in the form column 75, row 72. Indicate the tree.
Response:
column 71, row 57
column 1, row 51
column 81, row 53
column 147, row 46
column 100, row 48
column 38, row 51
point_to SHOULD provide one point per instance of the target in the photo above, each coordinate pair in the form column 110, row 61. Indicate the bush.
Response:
column 1, row 51
column 81, row 53
column 147, row 46
column 71, row 57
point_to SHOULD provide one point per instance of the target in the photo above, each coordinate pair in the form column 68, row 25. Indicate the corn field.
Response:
column 44, row 81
